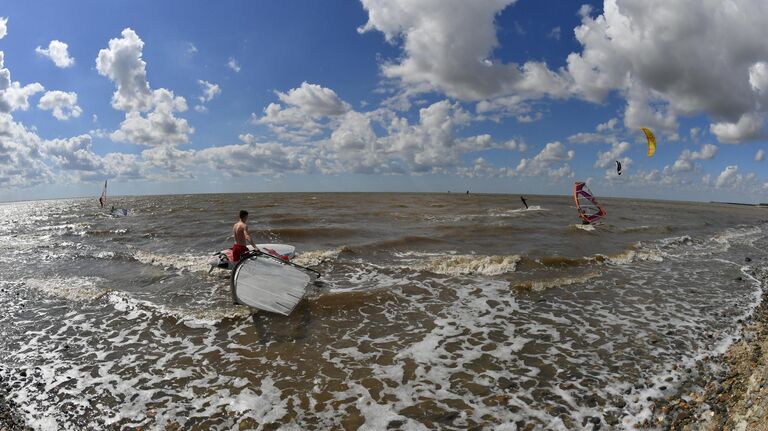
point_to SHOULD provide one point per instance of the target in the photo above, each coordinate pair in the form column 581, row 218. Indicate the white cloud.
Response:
column 122, row 63
column 159, row 127
column 58, row 52
column 233, row 64
column 607, row 158
column 707, row 152
column 304, row 112
column 758, row 76
column 3, row 26
column 314, row 100
column 17, row 97
column 553, row 152
column 448, row 46
column 760, row 155
column 646, row 51
column 653, row 52
column 247, row 138
column 209, row 91
column 74, row 153
column 21, row 162
column 12, row 95
column 606, row 133
column 685, row 163
column 63, row 104
column 191, row 48
column 259, row 159
column 729, row 177
column 749, row 127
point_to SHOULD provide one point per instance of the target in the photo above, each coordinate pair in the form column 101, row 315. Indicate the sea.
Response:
column 434, row 311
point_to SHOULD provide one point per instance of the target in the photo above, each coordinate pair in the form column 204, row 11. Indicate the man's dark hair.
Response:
column 243, row 214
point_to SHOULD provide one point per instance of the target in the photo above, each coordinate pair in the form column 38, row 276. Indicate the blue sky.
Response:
column 403, row 95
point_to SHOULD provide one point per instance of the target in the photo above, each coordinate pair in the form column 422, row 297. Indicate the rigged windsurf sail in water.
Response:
column 269, row 283
column 115, row 212
column 589, row 210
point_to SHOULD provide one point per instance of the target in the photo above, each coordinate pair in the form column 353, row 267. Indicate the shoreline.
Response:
column 736, row 397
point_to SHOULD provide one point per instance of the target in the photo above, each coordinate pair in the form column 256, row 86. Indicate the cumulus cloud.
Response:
column 553, row 152
column 661, row 55
column 13, row 95
column 760, row 155
column 729, row 177
column 58, row 52
column 3, row 26
column 159, row 127
column 657, row 55
column 451, row 50
column 63, row 104
column 607, row 158
column 21, row 161
column 685, row 163
column 605, row 132
column 247, row 138
column 259, row 159
column 122, row 63
column 749, row 127
column 233, row 64
column 304, row 112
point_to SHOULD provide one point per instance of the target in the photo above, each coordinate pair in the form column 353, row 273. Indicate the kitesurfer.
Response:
column 101, row 201
column 522, row 198
column 242, row 236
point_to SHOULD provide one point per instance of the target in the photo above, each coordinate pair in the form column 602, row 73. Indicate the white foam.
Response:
column 467, row 264
column 316, row 257
column 179, row 262
column 70, row 288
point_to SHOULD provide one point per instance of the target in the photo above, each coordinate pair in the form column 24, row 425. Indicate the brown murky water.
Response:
column 435, row 311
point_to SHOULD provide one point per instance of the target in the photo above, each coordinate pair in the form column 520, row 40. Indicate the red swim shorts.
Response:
column 237, row 252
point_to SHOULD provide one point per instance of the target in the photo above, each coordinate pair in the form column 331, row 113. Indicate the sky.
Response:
column 497, row 96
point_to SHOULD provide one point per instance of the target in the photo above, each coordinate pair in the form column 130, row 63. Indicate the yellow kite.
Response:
column 651, row 141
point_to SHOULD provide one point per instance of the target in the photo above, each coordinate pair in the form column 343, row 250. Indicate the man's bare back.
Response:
column 240, row 232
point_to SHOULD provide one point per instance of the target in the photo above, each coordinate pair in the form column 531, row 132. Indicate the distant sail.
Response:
column 618, row 167
column 589, row 210
column 103, row 198
column 651, row 140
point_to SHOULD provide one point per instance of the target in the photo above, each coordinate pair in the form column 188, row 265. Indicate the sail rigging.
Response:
column 589, row 210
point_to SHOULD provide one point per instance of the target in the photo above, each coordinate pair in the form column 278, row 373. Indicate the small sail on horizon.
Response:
column 103, row 197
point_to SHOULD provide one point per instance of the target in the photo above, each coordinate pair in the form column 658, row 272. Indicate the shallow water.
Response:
column 435, row 310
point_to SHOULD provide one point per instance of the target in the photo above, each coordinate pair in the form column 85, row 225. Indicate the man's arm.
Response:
column 248, row 237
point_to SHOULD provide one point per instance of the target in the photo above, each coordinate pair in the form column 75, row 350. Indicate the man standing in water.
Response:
column 522, row 198
column 242, row 237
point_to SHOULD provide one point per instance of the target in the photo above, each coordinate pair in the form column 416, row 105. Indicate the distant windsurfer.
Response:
column 583, row 217
column 242, row 237
column 522, row 198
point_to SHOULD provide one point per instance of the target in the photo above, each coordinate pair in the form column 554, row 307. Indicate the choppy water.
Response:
column 435, row 311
